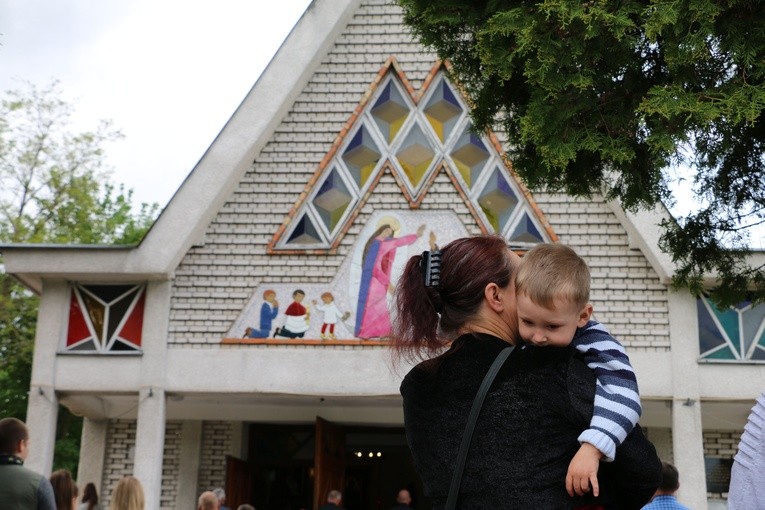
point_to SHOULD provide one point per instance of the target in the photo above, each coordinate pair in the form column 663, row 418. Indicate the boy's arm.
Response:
column 583, row 471
column 617, row 401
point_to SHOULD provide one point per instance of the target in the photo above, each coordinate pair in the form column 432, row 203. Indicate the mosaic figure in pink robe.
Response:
column 372, row 316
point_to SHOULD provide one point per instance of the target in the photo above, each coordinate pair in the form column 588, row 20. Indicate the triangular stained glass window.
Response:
column 414, row 136
column 98, row 312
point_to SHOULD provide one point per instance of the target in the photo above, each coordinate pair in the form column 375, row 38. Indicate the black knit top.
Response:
column 526, row 434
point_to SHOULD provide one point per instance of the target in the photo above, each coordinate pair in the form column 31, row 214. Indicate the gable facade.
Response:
column 193, row 391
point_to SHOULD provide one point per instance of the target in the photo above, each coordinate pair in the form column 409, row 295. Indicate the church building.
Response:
column 243, row 343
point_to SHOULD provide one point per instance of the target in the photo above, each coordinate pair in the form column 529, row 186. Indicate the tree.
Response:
column 607, row 97
column 54, row 188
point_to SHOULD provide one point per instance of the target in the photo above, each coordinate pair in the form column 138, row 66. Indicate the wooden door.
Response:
column 239, row 482
column 329, row 460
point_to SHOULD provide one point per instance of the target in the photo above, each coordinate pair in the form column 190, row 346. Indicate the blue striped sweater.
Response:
column 617, row 401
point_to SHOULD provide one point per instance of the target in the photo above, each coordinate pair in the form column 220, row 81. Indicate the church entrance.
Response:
column 292, row 467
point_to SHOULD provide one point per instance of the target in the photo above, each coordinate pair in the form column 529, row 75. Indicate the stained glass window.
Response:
column 105, row 318
column 414, row 138
column 737, row 333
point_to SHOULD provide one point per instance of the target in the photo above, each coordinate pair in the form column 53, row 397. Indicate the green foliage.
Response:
column 18, row 312
column 604, row 97
column 54, row 188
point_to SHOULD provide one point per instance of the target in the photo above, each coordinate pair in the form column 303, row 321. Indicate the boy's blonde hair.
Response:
column 553, row 271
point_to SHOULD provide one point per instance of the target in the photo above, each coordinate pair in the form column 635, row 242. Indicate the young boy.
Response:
column 553, row 292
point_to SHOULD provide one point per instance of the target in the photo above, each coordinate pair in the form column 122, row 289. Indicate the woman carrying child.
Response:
column 538, row 405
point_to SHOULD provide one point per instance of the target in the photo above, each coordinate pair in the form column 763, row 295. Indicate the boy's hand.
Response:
column 583, row 471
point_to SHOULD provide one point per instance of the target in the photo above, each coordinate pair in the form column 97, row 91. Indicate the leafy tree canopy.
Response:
column 607, row 97
column 54, row 188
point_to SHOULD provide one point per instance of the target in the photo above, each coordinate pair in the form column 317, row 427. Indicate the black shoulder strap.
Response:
column 454, row 488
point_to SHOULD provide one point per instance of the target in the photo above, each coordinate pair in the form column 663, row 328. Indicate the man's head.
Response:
column 670, row 479
column 14, row 438
column 220, row 494
column 298, row 295
column 404, row 498
column 334, row 496
column 208, row 501
column 552, row 292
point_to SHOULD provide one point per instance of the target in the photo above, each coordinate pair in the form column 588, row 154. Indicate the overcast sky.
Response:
column 168, row 73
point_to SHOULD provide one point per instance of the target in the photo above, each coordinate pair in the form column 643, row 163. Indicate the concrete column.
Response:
column 688, row 449
column 152, row 403
column 92, row 454
column 149, row 443
column 42, row 413
column 687, row 432
column 42, row 410
column 188, row 471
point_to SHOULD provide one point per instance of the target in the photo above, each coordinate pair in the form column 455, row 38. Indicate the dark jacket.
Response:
column 526, row 434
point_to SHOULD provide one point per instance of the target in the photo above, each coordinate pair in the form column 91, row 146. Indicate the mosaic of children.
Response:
column 297, row 317
column 356, row 303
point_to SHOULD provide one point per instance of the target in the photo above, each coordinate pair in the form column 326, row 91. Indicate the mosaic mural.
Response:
column 356, row 303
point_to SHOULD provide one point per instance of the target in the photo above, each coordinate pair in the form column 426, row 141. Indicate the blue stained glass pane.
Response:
column 526, row 231
column 724, row 353
column 384, row 95
column 447, row 92
column 729, row 321
column 709, row 336
column 758, row 354
column 356, row 140
column 305, row 232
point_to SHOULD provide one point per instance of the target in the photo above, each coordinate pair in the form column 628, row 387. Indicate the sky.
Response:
column 168, row 73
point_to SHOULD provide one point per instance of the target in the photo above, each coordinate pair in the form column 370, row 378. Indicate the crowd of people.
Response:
column 23, row 489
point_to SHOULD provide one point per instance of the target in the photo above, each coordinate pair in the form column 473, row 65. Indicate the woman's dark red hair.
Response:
column 427, row 318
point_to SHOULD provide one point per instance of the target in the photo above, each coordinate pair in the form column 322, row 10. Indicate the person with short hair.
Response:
column 334, row 498
column 245, row 507
column 127, row 495
column 20, row 488
column 208, row 501
column 64, row 489
column 665, row 499
column 221, row 495
column 403, row 500
column 553, row 292
column 268, row 312
column 297, row 318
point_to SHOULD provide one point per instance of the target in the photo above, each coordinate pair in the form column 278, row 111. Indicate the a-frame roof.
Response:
column 196, row 203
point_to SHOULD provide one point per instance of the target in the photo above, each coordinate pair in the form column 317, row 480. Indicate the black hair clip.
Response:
column 431, row 268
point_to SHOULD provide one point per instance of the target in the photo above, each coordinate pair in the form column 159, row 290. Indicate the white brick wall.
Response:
column 120, row 446
column 171, row 465
column 217, row 437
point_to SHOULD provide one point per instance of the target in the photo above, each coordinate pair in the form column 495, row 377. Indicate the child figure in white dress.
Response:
column 331, row 315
